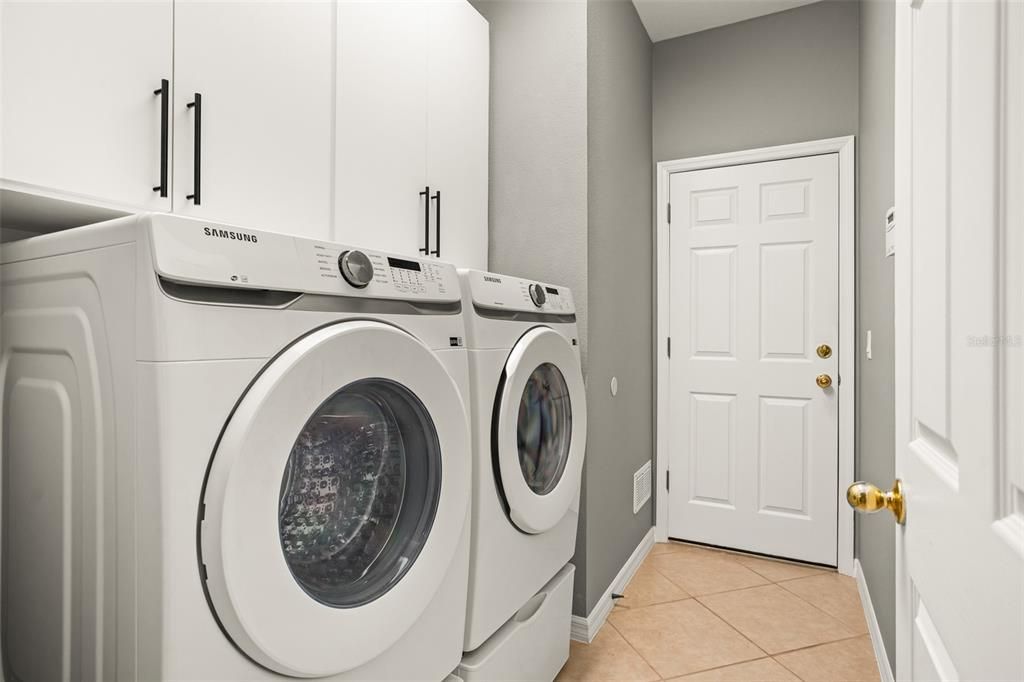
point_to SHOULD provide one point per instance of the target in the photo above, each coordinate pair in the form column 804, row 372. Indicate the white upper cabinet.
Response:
column 79, row 114
column 264, row 73
column 381, row 152
column 457, row 131
column 412, row 114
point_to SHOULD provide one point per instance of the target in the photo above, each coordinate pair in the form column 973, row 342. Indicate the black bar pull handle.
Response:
column 437, row 224
column 197, row 105
column 165, row 121
column 425, row 249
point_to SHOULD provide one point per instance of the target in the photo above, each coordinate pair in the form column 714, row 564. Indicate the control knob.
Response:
column 356, row 268
column 537, row 295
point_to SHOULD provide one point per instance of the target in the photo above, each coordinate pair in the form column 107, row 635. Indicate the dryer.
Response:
column 230, row 454
column 529, row 419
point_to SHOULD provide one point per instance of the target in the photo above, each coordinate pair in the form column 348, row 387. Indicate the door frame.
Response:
column 846, row 386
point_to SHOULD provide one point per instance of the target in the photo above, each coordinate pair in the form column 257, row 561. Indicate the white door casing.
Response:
column 251, row 586
column 266, row 75
column 754, row 287
column 529, row 511
column 959, row 321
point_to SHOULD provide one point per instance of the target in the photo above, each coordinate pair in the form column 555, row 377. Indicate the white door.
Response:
column 78, row 115
column 754, row 292
column 458, row 65
column 381, row 145
column 265, row 73
column 959, row 325
column 336, row 499
column 541, row 430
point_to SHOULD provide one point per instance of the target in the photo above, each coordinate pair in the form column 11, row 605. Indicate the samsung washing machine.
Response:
column 230, row 454
column 529, row 417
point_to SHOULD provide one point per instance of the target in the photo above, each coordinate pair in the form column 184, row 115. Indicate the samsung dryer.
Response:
column 529, row 423
column 230, row 454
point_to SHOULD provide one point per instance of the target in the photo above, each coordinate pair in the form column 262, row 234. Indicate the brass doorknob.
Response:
column 824, row 351
column 823, row 381
column 868, row 498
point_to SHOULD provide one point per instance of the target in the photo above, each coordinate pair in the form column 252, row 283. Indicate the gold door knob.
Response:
column 824, row 351
column 868, row 498
column 823, row 381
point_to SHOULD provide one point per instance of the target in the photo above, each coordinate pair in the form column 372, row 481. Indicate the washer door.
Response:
column 336, row 499
column 540, row 430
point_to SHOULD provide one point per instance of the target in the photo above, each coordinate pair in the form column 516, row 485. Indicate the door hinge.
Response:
column 669, row 347
column 668, row 481
column 670, row 214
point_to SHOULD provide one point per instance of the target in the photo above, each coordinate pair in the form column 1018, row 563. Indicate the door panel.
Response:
column 458, row 63
column 960, row 556
column 754, row 289
column 79, row 117
column 266, row 75
column 381, row 125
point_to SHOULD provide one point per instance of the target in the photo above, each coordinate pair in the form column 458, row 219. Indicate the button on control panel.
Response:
column 501, row 292
column 384, row 275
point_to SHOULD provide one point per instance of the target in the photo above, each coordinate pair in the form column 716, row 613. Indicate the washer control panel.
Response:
column 491, row 290
column 190, row 250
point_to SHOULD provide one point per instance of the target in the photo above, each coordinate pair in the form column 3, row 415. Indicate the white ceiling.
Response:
column 666, row 19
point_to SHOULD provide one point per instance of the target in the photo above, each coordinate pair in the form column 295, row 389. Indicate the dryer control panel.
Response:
column 201, row 252
column 501, row 292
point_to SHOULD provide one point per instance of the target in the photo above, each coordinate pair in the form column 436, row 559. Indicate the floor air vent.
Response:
column 641, row 486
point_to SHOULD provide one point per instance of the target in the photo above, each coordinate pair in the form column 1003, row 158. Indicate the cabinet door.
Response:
column 79, row 115
column 457, row 128
column 382, row 124
column 265, row 73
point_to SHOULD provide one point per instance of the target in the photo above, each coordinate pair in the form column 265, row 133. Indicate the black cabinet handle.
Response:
column 437, row 224
column 165, row 122
column 426, row 220
column 197, row 105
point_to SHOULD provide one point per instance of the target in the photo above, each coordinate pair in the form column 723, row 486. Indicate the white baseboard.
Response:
column 884, row 669
column 584, row 629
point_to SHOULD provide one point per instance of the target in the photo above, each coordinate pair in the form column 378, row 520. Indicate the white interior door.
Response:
column 754, row 291
column 265, row 71
column 959, row 320
column 381, row 136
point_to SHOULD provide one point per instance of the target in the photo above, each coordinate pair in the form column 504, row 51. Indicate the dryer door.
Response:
column 541, row 429
column 336, row 499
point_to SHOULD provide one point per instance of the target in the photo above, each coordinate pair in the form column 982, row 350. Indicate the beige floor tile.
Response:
column 647, row 587
column 851, row 660
column 763, row 670
column 682, row 637
column 776, row 620
column 705, row 572
column 777, row 570
column 609, row 658
column 835, row 594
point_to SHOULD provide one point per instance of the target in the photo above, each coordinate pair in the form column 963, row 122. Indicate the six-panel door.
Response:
column 754, row 292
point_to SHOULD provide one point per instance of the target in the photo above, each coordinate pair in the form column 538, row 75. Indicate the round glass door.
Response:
column 359, row 493
column 540, row 432
column 336, row 499
column 544, row 429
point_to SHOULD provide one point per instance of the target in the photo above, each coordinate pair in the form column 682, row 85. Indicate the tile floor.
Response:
column 692, row 613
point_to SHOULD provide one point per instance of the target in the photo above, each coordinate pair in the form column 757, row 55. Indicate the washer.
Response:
column 529, row 417
column 231, row 454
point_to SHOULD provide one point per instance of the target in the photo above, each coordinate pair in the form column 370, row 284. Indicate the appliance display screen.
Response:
column 404, row 264
column 551, row 290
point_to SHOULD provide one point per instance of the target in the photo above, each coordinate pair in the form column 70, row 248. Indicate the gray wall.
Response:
column 875, row 377
column 620, row 437
column 786, row 77
column 574, row 207
column 538, row 154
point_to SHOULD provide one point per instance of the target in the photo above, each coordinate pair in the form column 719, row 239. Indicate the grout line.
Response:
column 634, row 650
column 836, row 618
